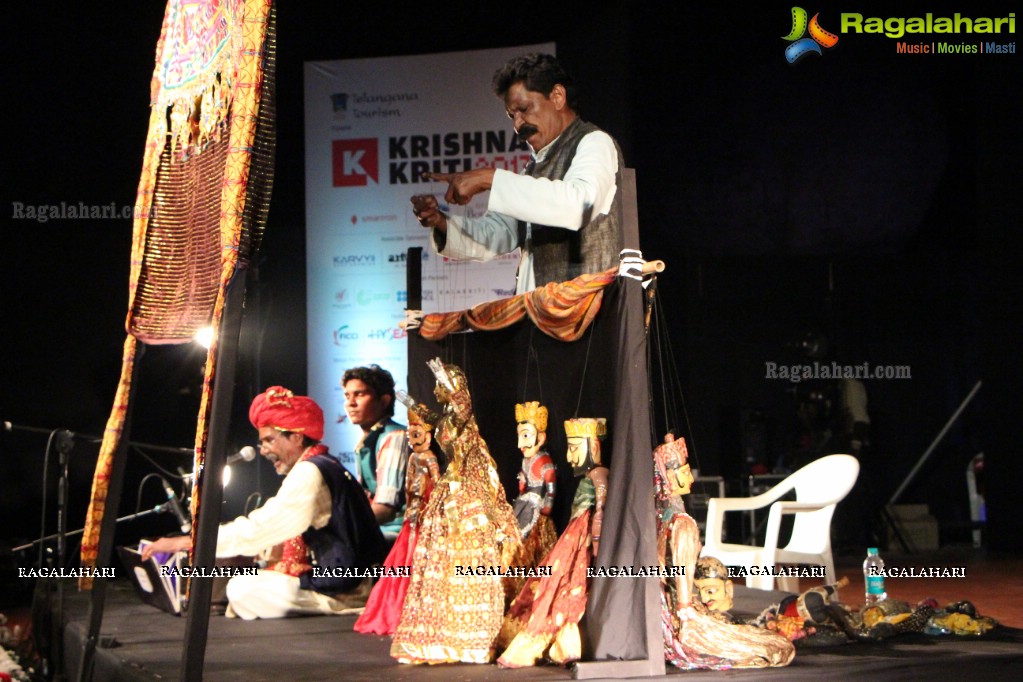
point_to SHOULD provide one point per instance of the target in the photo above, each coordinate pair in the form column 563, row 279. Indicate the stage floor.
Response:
column 147, row 645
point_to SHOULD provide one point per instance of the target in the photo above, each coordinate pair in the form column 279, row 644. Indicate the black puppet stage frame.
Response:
column 602, row 374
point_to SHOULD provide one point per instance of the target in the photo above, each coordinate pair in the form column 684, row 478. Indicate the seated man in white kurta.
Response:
column 561, row 212
column 318, row 519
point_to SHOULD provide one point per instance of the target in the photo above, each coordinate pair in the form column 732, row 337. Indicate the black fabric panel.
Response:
column 617, row 608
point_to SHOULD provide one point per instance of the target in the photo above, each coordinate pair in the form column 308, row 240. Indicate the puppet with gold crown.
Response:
column 543, row 620
column 537, row 484
column 452, row 614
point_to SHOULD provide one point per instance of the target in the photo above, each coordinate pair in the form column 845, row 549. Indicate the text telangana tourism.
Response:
column 897, row 27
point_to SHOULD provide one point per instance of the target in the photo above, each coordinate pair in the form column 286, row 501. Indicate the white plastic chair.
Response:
column 819, row 486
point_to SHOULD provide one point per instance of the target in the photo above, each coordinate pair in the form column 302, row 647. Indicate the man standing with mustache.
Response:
column 562, row 211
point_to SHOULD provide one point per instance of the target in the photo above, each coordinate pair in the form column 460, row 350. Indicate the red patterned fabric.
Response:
column 294, row 559
column 383, row 608
column 279, row 408
column 543, row 620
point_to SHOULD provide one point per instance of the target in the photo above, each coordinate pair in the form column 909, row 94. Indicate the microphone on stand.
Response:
column 247, row 454
column 10, row 428
column 175, row 507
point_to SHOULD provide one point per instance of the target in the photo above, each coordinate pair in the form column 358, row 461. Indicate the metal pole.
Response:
column 109, row 526
column 210, row 489
column 158, row 509
column 923, row 458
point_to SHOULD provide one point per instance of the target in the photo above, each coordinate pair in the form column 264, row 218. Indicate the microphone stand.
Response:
column 91, row 438
column 158, row 509
column 46, row 585
column 887, row 511
column 56, row 629
column 65, row 443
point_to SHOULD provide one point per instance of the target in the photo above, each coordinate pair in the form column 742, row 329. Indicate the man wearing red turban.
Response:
column 319, row 523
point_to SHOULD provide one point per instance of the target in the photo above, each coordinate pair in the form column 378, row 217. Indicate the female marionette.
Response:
column 453, row 610
column 383, row 609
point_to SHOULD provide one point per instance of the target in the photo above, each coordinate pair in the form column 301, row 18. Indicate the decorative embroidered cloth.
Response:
column 203, row 196
column 562, row 310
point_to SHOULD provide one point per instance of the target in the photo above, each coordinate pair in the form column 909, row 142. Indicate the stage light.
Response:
column 225, row 477
column 204, row 337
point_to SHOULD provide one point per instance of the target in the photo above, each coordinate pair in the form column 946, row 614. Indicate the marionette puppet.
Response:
column 383, row 608
column 537, row 484
column 543, row 620
column 816, row 618
column 713, row 586
column 694, row 637
column 454, row 606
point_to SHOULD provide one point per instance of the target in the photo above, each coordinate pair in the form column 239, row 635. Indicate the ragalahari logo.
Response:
column 801, row 45
column 355, row 161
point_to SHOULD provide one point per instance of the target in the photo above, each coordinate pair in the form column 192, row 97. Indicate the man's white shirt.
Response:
column 587, row 190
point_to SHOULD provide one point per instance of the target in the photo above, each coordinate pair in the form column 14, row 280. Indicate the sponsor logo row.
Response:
column 368, row 259
column 347, row 333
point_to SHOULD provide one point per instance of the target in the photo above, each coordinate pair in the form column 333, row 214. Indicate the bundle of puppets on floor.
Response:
column 816, row 617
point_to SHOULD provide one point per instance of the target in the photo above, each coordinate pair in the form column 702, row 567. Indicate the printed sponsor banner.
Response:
column 373, row 127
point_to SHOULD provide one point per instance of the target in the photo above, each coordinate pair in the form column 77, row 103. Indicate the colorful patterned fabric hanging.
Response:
column 203, row 197
column 562, row 310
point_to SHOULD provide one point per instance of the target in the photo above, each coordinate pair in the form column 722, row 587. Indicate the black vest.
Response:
column 560, row 254
column 351, row 539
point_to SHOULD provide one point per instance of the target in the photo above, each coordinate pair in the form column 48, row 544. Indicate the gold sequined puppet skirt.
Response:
column 451, row 614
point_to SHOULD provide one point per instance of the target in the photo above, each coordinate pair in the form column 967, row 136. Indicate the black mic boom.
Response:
column 172, row 499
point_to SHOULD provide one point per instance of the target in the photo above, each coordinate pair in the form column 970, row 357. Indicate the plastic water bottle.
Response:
column 873, row 577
